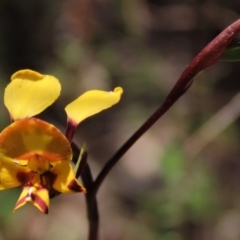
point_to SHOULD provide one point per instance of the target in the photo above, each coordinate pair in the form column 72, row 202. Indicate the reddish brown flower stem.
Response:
column 207, row 57
column 92, row 207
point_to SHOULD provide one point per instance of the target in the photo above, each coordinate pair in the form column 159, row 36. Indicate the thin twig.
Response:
column 212, row 128
column 207, row 57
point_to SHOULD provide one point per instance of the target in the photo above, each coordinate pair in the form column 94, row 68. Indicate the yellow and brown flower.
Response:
column 35, row 154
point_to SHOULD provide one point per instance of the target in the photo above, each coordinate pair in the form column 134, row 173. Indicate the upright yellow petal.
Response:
column 29, row 93
column 64, row 179
column 92, row 102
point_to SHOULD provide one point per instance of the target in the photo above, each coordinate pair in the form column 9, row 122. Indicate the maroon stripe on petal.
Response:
column 74, row 186
column 19, row 202
column 42, row 205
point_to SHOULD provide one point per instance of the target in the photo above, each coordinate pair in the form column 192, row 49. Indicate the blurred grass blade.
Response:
column 231, row 53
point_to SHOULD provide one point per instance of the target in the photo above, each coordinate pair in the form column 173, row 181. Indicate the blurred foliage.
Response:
column 232, row 53
column 187, row 197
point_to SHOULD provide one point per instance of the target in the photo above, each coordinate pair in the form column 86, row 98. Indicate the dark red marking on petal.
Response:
column 74, row 186
column 19, row 202
column 24, row 177
column 43, row 206
column 71, row 129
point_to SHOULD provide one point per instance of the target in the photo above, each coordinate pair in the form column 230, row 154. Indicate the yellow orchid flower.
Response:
column 35, row 154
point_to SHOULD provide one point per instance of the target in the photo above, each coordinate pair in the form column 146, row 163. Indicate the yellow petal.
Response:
column 38, row 196
column 11, row 174
column 64, row 179
column 31, row 139
column 22, row 199
column 29, row 93
column 92, row 102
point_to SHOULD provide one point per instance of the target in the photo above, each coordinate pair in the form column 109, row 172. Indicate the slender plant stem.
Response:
column 92, row 207
column 91, row 201
column 206, row 58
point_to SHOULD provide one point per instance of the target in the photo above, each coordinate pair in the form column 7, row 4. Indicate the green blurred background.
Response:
column 181, row 180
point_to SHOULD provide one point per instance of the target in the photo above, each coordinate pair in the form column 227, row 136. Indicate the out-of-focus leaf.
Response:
column 169, row 236
column 231, row 53
column 172, row 164
column 8, row 200
column 201, row 200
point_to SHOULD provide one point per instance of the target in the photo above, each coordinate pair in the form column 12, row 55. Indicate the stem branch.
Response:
column 206, row 58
